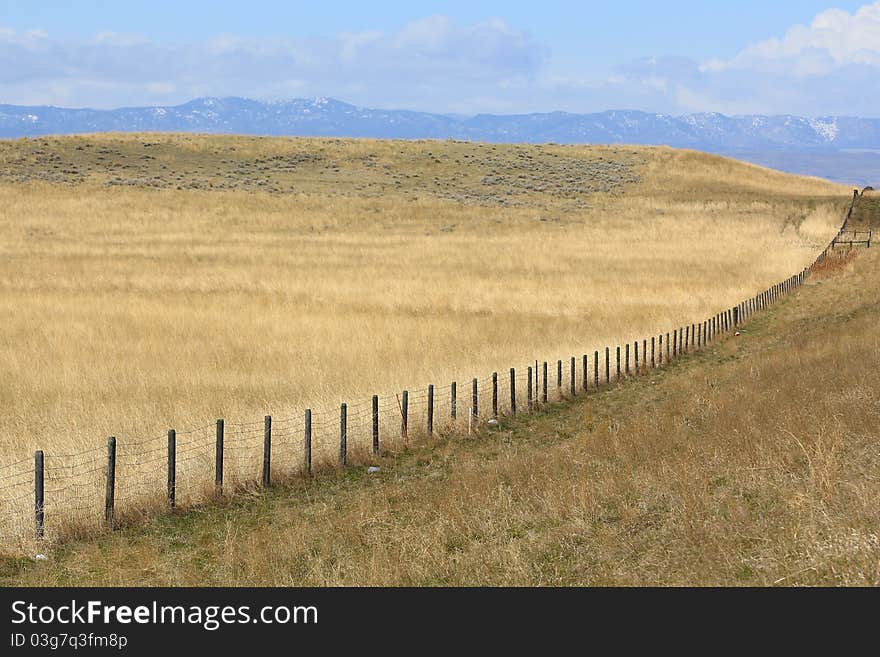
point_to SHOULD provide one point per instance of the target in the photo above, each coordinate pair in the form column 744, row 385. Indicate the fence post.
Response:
column 172, row 467
column 559, row 378
column 607, row 365
column 636, row 355
column 218, row 459
column 495, row 395
column 431, row 410
column 529, row 381
column 452, row 399
column 618, row 362
column 653, row 361
column 573, row 376
column 675, row 343
column 667, row 347
column 39, row 499
column 375, row 417
column 307, row 443
column 512, row 391
column 474, row 398
column 544, row 384
column 660, row 350
column 645, row 354
column 596, row 368
column 735, row 317
column 404, row 418
column 267, row 450
column 343, row 435
column 586, row 374
column 110, row 489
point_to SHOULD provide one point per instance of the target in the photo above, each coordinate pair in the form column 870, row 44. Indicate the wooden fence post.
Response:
column 660, row 350
column 636, row 355
column 559, row 378
column 735, row 317
column 218, row 458
column 431, row 410
column 529, row 403
column 653, row 361
column 307, row 443
column 343, row 435
column 586, row 374
column 596, row 369
column 618, row 362
column 375, row 427
column 110, row 488
column 537, row 385
column 645, row 354
column 474, row 398
column 404, row 417
column 607, row 365
column 452, row 400
column 267, row 450
column 626, row 359
column 172, row 468
column 544, row 385
column 495, row 395
column 39, row 498
column 668, row 359
column 675, row 343
column 573, row 376
column 512, row 391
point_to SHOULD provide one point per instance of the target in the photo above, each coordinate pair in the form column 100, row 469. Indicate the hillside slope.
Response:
column 751, row 462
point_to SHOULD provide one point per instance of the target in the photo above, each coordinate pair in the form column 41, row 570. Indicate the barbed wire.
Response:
column 73, row 486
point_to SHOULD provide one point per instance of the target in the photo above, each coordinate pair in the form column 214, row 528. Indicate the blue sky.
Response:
column 804, row 57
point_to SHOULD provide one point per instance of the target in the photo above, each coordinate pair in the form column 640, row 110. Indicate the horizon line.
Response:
column 451, row 115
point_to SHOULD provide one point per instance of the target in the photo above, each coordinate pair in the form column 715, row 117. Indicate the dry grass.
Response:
column 365, row 267
column 752, row 462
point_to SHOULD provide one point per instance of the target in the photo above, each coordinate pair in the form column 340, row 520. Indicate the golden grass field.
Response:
column 152, row 281
column 751, row 462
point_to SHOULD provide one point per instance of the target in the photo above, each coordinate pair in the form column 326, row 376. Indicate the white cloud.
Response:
column 833, row 39
column 830, row 66
column 432, row 63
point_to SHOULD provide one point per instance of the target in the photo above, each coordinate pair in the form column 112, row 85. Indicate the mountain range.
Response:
column 815, row 146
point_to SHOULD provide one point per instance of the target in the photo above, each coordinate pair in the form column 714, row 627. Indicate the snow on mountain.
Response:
column 333, row 118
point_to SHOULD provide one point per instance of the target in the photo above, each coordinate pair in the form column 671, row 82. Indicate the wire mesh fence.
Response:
column 59, row 495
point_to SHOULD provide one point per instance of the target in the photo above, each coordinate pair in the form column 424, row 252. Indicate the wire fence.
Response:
column 55, row 496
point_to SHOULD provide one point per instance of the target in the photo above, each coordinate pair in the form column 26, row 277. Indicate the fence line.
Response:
column 61, row 494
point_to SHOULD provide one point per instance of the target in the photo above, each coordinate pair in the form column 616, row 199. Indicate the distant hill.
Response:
column 797, row 144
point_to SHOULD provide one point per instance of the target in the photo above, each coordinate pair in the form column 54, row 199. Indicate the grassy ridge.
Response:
column 751, row 462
